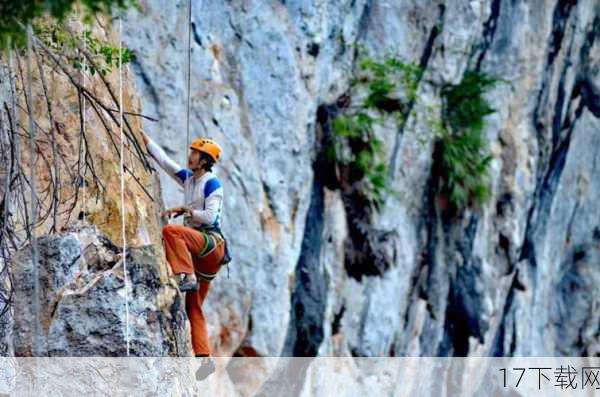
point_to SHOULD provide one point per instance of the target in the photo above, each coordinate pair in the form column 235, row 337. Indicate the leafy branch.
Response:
column 16, row 12
column 59, row 39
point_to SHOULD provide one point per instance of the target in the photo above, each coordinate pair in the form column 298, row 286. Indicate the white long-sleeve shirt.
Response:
column 204, row 195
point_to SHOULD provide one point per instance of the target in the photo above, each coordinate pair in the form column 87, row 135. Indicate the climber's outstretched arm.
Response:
column 177, row 172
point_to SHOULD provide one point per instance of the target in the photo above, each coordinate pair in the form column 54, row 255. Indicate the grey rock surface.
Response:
column 313, row 272
column 516, row 277
column 83, row 306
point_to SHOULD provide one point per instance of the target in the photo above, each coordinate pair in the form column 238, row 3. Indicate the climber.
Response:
column 196, row 250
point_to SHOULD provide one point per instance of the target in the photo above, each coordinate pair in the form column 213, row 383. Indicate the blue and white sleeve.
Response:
column 177, row 172
column 213, row 202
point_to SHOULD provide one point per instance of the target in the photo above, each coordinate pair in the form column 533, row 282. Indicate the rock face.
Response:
column 78, row 177
column 82, row 308
column 518, row 276
column 513, row 278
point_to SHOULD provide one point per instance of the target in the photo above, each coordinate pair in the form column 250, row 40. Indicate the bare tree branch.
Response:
column 55, row 174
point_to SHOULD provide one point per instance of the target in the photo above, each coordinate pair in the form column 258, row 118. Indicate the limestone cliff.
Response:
column 514, row 278
column 518, row 276
column 76, row 163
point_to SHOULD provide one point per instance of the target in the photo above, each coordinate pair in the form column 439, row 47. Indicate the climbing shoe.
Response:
column 187, row 282
column 207, row 367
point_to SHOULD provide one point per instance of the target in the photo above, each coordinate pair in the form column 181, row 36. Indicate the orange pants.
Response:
column 180, row 242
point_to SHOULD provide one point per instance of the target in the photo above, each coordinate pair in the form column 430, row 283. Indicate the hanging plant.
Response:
column 390, row 86
column 464, row 157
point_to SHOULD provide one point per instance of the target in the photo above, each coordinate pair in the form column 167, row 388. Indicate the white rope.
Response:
column 187, row 189
column 37, row 345
column 189, row 69
column 123, row 186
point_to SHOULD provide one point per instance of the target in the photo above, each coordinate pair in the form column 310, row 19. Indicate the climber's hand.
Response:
column 181, row 210
column 177, row 211
column 170, row 212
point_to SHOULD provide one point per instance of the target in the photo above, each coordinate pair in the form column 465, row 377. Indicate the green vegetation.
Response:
column 390, row 87
column 356, row 148
column 105, row 56
column 384, row 80
column 464, row 156
column 16, row 12
column 49, row 18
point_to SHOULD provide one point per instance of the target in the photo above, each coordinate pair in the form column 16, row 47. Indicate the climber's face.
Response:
column 194, row 161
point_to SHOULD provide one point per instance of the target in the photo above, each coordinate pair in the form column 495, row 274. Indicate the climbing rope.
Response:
column 37, row 345
column 123, row 185
column 187, row 190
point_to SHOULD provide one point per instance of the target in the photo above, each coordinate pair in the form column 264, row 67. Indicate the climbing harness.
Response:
column 123, row 184
column 209, row 246
column 215, row 237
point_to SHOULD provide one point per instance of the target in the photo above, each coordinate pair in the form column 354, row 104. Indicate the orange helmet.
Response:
column 207, row 146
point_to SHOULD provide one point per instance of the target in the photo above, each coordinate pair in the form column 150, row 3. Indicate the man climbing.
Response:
column 196, row 250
